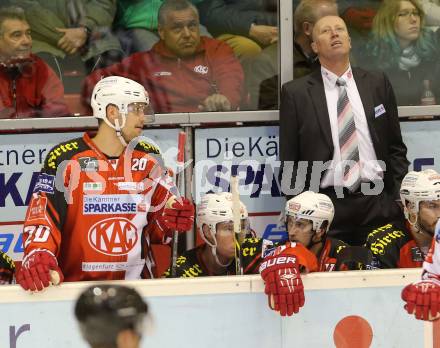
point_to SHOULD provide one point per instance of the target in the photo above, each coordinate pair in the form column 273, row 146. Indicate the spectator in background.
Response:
column 28, row 87
column 359, row 17
column 262, row 71
column 246, row 25
column 359, row 14
column 135, row 24
column 183, row 72
column 64, row 28
column 405, row 50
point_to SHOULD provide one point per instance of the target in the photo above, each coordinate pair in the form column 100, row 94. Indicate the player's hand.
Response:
column 39, row 269
column 215, row 102
column 423, row 299
column 283, row 283
column 178, row 215
column 264, row 34
column 73, row 39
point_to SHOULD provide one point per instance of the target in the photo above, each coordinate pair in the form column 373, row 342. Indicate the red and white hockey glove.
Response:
column 179, row 215
column 38, row 270
column 423, row 299
column 283, row 283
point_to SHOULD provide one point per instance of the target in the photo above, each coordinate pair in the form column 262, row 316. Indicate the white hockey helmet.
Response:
column 215, row 208
column 417, row 187
column 313, row 206
column 121, row 92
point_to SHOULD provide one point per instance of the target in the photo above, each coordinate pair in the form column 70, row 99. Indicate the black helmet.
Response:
column 104, row 310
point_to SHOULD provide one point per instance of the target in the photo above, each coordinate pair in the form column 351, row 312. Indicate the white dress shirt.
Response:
column 370, row 169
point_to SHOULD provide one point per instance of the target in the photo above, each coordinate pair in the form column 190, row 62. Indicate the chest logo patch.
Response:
column 113, row 236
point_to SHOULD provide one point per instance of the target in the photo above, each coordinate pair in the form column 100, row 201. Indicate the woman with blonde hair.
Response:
column 404, row 48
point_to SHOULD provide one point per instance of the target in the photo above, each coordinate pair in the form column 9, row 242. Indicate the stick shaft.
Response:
column 179, row 183
column 237, row 223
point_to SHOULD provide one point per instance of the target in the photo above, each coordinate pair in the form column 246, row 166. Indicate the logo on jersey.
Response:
column 113, row 236
column 416, row 254
column 201, row 69
column 130, row 186
column 88, row 164
column 45, row 183
column 92, row 186
column 37, row 209
column 111, row 204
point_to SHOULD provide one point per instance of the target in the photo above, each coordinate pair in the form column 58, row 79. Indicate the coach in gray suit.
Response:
column 340, row 135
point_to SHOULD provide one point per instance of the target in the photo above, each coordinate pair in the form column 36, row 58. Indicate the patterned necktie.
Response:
column 348, row 142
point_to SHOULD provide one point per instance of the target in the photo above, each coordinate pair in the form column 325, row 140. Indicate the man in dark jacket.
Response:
column 28, row 87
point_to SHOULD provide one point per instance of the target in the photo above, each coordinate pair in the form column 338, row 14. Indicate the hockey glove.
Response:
column 423, row 299
column 283, row 284
column 39, row 269
column 178, row 215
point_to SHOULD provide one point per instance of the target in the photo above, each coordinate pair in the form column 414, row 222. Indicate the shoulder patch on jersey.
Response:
column 63, row 151
column 45, row 183
column 147, row 147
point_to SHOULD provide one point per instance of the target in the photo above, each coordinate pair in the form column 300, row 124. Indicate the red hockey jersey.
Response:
column 97, row 216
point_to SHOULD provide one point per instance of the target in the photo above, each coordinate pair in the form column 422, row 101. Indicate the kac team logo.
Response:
column 201, row 69
column 114, row 236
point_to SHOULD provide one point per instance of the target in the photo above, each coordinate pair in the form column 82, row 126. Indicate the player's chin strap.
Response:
column 417, row 226
column 214, row 253
column 419, row 229
column 118, row 129
column 321, row 241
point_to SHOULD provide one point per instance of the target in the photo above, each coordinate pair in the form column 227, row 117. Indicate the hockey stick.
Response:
column 179, row 184
column 237, row 224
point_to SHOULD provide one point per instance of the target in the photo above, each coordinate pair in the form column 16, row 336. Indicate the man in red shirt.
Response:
column 394, row 245
column 28, row 87
column 183, row 72
column 101, row 200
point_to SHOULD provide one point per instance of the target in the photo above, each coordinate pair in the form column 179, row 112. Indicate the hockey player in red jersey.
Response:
column 98, row 203
column 406, row 245
column 423, row 297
